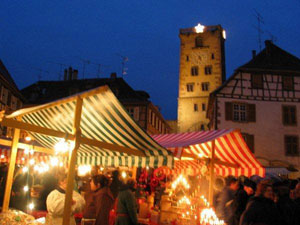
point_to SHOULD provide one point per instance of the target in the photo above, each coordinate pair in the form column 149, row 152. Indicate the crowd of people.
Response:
column 104, row 195
column 267, row 203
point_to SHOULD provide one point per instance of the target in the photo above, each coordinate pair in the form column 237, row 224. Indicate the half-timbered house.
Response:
column 262, row 99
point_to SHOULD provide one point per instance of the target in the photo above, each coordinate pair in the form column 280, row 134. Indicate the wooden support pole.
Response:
column 11, row 169
column 212, row 174
column 72, row 163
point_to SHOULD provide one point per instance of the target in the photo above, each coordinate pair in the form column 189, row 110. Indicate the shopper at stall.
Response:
column 241, row 199
column 56, row 201
column 287, row 207
column 126, row 205
column 116, row 183
column 224, row 208
column 99, row 201
column 261, row 208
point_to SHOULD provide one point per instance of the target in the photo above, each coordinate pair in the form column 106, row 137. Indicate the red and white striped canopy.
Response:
column 229, row 147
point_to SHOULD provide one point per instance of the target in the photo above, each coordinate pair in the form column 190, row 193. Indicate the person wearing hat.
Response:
column 241, row 199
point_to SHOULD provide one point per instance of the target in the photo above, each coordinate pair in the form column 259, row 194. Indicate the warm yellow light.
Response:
column 101, row 168
column 200, row 155
column 36, row 168
column 27, row 138
column 147, row 167
column 31, row 151
column 31, row 161
column 31, row 206
column 25, row 169
column 61, row 164
column 84, row 169
column 54, row 161
column 62, row 146
column 124, row 174
column 199, row 28
column 2, row 156
column 224, row 34
column 26, row 188
column 26, row 151
column 23, row 158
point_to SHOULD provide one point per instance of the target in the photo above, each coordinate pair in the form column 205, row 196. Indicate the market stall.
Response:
column 92, row 128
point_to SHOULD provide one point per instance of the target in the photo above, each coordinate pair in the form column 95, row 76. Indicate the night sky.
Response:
column 41, row 34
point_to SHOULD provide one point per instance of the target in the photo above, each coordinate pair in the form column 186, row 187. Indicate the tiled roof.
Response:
column 273, row 58
column 47, row 91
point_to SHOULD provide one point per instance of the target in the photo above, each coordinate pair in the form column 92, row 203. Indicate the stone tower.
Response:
column 202, row 70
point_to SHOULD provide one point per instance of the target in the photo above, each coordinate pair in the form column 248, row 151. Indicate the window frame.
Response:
column 196, row 108
column 198, row 42
column 288, row 151
column 239, row 111
column 208, row 70
column 205, row 86
column 190, row 87
column 195, row 71
column 290, row 121
column 254, row 83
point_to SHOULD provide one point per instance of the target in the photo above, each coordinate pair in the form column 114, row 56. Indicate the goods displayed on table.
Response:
column 16, row 217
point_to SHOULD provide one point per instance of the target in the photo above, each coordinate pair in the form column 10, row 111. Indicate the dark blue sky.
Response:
column 37, row 32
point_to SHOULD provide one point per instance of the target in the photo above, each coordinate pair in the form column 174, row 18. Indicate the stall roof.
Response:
column 109, row 135
column 229, row 147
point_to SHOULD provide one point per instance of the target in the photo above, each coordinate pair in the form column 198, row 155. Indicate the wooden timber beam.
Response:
column 216, row 161
column 23, row 146
column 60, row 134
column 72, row 163
column 11, row 169
column 211, row 173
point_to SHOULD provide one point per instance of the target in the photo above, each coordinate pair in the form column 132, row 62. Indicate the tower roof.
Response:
column 272, row 58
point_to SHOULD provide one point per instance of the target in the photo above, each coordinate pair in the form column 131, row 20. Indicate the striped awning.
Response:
column 104, row 119
column 229, row 147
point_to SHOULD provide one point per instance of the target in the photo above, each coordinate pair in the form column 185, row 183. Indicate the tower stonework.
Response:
column 202, row 70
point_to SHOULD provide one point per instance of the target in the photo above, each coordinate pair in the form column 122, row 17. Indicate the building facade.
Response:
column 11, row 98
column 137, row 103
column 262, row 99
column 202, row 70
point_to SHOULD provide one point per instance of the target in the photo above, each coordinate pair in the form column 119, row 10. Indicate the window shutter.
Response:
column 228, row 110
column 250, row 142
column 251, row 113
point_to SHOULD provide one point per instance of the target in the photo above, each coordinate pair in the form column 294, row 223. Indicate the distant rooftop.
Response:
column 273, row 58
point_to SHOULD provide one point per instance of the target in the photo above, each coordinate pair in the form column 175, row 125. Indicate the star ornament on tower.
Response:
column 199, row 28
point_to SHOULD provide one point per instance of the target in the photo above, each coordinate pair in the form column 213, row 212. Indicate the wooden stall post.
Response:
column 212, row 174
column 11, row 169
column 72, row 162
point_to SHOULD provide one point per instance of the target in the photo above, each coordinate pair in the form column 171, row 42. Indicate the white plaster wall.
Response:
column 268, row 130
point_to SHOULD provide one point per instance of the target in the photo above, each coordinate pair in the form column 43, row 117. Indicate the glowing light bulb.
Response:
column 84, row 169
column 31, row 151
column 25, row 169
column 31, row 206
column 26, row 151
column 25, row 188
column 54, row 161
column 124, row 175
column 61, row 146
column 28, row 138
column 61, row 164
column 224, row 34
column 31, row 161
column 2, row 156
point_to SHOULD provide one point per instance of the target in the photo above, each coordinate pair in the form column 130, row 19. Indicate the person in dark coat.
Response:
column 261, row 209
column 126, row 205
column 116, row 183
column 287, row 207
column 224, row 207
column 241, row 199
column 99, row 201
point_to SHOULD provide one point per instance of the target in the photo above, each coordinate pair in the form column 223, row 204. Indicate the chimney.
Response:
column 75, row 74
column 113, row 75
column 65, row 74
column 70, row 73
column 253, row 54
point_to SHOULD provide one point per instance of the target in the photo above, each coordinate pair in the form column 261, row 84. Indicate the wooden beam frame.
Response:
column 59, row 134
column 72, row 162
column 11, row 169
column 24, row 146
column 217, row 161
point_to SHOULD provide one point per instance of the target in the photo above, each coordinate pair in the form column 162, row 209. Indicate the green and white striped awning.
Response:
column 103, row 119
